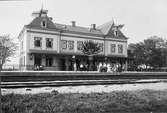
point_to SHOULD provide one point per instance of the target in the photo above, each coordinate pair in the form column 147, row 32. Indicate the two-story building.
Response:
column 56, row 46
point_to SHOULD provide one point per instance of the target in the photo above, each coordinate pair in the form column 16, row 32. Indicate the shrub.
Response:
column 116, row 101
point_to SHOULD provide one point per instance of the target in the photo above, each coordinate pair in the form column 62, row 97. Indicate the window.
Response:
column 113, row 46
column 101, row 47
column 49, row 42
column 79, row 45
column 71, row 45
column 64, row 44
column 116, row 33
column 49, row 61
column 44, row 23
column 37, row 42
column 120, row 48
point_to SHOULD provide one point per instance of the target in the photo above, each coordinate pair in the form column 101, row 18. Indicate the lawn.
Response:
column 114, row 102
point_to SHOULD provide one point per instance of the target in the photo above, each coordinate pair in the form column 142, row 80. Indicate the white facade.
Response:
column 64, row 44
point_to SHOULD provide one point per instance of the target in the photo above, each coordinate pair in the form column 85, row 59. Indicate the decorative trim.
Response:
column 42, row 51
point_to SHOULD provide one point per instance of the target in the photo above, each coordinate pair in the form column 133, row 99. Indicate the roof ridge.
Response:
column 75, row 26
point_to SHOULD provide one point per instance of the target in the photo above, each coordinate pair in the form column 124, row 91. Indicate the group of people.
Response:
column 110, row 67
column 101, row 67
column 38, row 67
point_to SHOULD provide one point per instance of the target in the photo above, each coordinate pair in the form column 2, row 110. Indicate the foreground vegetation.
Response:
column 114, row 102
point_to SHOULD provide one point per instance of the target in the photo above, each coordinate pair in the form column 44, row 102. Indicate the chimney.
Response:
column 41, row 13
column 73, row 23
column 93, row 26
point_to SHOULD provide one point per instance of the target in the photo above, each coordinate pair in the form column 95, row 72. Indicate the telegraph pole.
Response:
column 0, row 88
column 1, row 52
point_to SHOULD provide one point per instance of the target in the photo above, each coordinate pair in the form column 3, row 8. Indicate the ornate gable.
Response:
column 112, row 30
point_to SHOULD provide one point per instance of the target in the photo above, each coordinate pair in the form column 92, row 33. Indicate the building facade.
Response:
column 57, row 46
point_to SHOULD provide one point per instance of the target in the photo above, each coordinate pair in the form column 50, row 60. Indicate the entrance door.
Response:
column 62, row 64
column 37, row 60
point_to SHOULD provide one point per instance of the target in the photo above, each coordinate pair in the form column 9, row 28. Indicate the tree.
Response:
column 151, row 52
column 7, row 49
column 90, row 48
column 138, row 53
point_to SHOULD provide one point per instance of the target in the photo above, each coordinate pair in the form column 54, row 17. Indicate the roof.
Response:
column 78, row 29
column 36, row 23
column 101, row 31
column 109, row 28
column 105, row 27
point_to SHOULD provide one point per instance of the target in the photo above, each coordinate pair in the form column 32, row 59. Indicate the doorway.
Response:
column 37, row 60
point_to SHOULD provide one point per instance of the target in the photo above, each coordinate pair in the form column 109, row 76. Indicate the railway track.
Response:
column 64, row 76
column 17, row 79
column 75, row 83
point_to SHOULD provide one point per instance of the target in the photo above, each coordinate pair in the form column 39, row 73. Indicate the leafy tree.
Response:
column 7, row 49
column 138, row 53
column 151, row 52
column 90, row 48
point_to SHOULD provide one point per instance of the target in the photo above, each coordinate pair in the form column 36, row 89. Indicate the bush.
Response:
column 116, row 101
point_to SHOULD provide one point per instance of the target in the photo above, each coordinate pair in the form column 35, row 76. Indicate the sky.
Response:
column 141, row 18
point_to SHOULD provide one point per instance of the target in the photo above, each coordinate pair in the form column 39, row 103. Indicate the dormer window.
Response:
column 44, row 23
column 116, row 33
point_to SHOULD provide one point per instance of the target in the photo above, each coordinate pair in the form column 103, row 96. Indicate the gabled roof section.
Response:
column 109, row 29
column 36, row 23
column 105, row 27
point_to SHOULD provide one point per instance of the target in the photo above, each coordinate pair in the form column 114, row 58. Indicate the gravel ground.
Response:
column 161, row 85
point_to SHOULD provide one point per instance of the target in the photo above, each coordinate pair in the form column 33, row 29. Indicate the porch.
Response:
column 59, row 62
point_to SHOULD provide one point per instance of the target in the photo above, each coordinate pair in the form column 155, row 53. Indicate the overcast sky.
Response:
column 142, row 18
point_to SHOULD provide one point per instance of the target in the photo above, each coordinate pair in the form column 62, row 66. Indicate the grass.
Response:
column 144, row 101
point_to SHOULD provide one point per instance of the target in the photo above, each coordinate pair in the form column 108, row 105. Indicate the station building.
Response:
column 56, row 46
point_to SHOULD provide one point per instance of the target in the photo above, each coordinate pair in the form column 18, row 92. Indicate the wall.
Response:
column 22, row 49
column 30, row 41
column 75, row 50
column 30, row 44
column 116, row 42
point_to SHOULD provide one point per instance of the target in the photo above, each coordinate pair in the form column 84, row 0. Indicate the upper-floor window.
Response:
column 113, row 48
column 63, row 44
column 71, row 45
column 37, row 41
column 120, row 48
column 101, row 47
column 49, row 42
column 44, row 23
column 79, row 45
